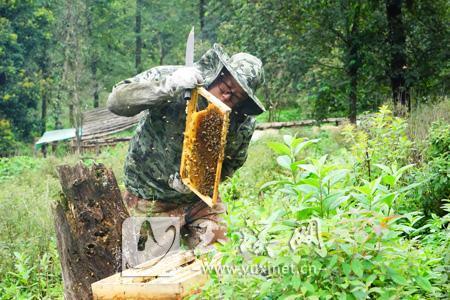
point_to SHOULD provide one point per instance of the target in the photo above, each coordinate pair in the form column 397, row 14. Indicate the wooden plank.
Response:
column 213, row 99
column 191, row 110
column 175, row 280
column 161, row 266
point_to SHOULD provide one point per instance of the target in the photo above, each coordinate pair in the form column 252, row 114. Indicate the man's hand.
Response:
column 185, row 78
column 178, row 185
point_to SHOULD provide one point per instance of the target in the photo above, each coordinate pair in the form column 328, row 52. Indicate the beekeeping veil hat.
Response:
column 245, row 68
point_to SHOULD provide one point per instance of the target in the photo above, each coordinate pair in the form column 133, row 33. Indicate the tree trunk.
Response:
column 58, row 108
column 88, row 222
column 90, row 26
column 397, row 41
column 202, row 18
column 137, row 31
column 353, row 96
column 71, row 113
column 162, row 53
column 353, row 64
column 95, row 81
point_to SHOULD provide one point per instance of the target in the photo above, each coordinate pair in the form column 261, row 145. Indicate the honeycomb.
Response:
column 204, row 149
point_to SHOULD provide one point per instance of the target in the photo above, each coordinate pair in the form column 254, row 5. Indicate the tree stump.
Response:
column 88, row 223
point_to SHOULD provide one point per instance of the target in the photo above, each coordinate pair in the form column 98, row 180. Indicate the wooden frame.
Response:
column 191, row 110
column 173, row 277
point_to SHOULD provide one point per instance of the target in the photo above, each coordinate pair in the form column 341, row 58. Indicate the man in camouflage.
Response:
column 153, row 161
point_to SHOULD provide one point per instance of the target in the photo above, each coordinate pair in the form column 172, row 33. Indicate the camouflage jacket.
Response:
column 155, row 150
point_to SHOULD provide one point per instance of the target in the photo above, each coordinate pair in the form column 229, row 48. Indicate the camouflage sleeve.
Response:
column 149, row 88
column 237, row 155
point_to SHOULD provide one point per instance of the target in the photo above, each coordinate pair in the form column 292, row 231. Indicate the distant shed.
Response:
column 98, row 124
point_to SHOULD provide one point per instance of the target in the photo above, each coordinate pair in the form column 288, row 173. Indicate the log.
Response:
column 278, row 125
column 88, row 221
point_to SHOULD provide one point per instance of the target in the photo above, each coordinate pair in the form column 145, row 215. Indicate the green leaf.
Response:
column 275, row 215
column 269, row 184
column 274, row 182
column 386, row 169
column 389, row 179
column 305, row 213
column 335, row 176
column 279, row 148
column 309, row 168
column 388, row 199
column 308, row 286
column 338, row 202
column 307, row 188
column 284, row 161
column 332, row 262
column 424, row 283
column 409, row 187
column 402, row 170
column 304, row 144
column 346, row 268
column 296, row 282
column 322, row 252
column 357, row 267
column 323, row 159
column 375, row 185
column 397, row 277
column 288, row 139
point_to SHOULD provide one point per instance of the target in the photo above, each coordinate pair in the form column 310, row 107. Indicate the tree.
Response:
column 73, row 68
column 397, row 51
column 138, row 33
column 25, row 30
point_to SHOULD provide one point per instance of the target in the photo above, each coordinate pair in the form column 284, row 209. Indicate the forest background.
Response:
column 321, row 58
column 380, row 189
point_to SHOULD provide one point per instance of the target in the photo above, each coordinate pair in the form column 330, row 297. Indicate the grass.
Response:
column 28, row 257
column 421, row 119
column 30, row 184
column 282, row 115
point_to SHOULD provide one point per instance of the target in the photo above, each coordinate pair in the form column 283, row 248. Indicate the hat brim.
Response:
column 252, row 107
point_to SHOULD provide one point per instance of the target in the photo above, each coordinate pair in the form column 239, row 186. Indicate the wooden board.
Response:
column 173, row 277
column 206, row 130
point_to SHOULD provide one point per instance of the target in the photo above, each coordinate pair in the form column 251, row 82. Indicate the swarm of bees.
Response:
column 204, row 148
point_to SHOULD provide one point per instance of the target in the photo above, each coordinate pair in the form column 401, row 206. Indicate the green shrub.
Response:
column 317, row 233
column 30, row 279
column 436, row 171
column 13, row 166
column 7, row 141
column 422, row 118
column 380, row 139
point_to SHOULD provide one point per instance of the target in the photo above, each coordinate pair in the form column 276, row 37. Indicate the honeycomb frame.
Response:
column 190, row 171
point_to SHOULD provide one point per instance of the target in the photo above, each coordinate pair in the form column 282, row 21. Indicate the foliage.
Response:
column 29, row 263
column 14, row 166
column 25, row 35
column 6, row 138
column 436, row 173
column 33, row 281
column 420, row 120
column 359, row 248
column 381, row 139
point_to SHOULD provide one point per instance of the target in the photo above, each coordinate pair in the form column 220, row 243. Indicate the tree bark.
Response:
column 202, row 18
column 94, row 57
column 353, row 64
column 137, row 31
column 44, row 97
column 397, row 41
column 88, row 222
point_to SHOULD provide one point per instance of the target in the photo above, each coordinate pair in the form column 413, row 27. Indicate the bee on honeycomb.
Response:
column 205, row 148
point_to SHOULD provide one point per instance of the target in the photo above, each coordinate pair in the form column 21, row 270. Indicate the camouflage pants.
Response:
column 201, row 225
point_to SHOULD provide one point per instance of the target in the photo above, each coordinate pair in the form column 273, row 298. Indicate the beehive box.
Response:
column 173, row 277
column 204, row 145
